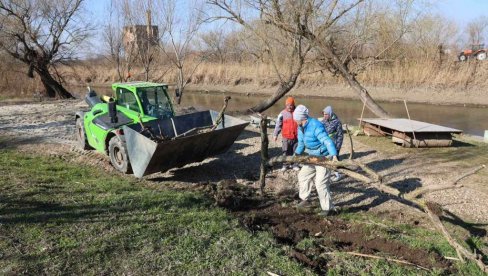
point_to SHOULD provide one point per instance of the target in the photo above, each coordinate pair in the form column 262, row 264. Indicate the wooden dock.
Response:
column 410, row 133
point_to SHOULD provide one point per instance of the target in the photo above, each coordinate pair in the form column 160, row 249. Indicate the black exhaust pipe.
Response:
column 92, row 98
column 112, row 112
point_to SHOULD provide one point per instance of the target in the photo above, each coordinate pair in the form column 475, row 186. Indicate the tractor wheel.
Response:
column 81, row 135
column 481, row 56
column 118, row 155
column 462, row 57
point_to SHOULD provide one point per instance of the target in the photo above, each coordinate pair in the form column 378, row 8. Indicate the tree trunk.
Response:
column 280, row 92
column 358, row 88
column 146, row 73
column 53, row 88
column 264, row 153
column 180, row 86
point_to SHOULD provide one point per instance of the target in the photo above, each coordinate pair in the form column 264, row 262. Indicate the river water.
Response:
column 471, row 120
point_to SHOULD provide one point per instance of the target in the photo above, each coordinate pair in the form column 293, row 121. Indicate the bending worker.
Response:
column 333, row 126
column 288, row 128
column 313, row 140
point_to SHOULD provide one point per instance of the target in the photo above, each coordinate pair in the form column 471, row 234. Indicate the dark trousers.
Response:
column 288, row 146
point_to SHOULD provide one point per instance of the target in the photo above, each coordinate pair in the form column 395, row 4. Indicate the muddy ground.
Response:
column 47, row 128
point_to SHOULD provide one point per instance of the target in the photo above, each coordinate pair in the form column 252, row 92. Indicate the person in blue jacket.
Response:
column 313, row 140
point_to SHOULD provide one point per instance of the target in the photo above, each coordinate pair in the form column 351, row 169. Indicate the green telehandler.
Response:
column 139, row 131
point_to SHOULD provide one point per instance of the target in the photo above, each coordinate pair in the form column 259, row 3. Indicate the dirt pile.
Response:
column 291, row 227
column 233, row 196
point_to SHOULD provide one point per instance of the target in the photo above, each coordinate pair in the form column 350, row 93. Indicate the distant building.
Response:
column 137, row 37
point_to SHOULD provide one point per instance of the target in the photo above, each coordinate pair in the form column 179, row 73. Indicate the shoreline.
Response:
column 380, row 94
column 196, row 90
column 445, row 97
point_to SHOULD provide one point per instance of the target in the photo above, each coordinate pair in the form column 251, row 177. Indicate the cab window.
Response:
column 127, row 99
column 155, row 102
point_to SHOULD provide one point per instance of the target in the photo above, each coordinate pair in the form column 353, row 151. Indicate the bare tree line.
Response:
column 42, row 34
column 338, row 37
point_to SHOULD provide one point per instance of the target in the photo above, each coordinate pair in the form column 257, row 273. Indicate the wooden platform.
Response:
column 410, row 133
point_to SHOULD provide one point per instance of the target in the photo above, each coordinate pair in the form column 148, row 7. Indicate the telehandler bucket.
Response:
column 182, row 140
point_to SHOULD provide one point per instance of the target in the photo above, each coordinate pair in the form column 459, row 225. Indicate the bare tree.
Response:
column 285, row 50
column 315, row 22
column 42, row 34
column 354, row 35
column 477, row 29
column 214, row 43
column 140, row 35
column 181, row 25
column 430, row 36
column 118, row 55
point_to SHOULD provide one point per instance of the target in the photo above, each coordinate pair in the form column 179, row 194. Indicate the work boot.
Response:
column 324, row 213
column 337, row 177
column 327, row 213
column 304, row 205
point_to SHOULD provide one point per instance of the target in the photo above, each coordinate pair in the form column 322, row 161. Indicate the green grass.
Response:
column 350, row 265
column 59, row 218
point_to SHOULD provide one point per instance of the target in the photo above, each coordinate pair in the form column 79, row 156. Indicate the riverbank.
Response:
column 475, row 98
column 449, row 83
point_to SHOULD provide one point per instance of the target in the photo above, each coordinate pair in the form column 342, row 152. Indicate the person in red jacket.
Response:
column 289, row 131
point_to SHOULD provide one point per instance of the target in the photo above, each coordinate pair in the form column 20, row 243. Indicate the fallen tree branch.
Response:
column 368, row 170
column 340, row 166
column 453, row 185
column 432, row 209
column 473, row 171
column 192, row 131
column 378, row 257
column 451, row 258
column 313, row 160
column 355, row 175
column 419, row 192
column 348, row 167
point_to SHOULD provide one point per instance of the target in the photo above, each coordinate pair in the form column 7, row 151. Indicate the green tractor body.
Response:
column 138, row 129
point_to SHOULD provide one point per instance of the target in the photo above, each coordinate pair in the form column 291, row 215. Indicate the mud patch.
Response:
column 332, row 234
column 290, row 227
column 233, row 196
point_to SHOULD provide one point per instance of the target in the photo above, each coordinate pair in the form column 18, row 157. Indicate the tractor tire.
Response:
column 118, row 155
column 462, row 57
column 481, row 56
column 81, row 135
